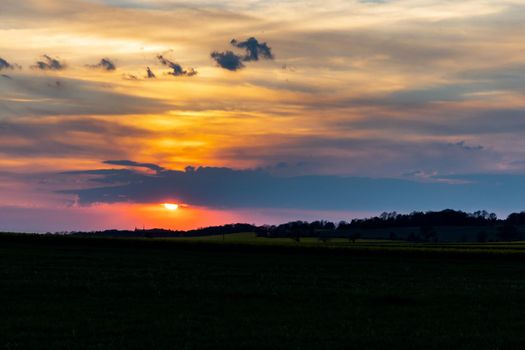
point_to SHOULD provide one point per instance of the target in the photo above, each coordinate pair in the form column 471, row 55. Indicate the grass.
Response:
column 255, row 293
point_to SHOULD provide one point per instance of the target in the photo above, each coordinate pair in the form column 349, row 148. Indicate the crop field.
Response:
column 244, row 292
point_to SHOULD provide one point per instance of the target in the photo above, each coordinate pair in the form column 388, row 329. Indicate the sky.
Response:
column 257, row 111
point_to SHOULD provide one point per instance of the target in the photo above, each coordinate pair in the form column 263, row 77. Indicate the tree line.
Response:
column 425, row 224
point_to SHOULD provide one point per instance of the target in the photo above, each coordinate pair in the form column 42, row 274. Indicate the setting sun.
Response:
column 170, row 206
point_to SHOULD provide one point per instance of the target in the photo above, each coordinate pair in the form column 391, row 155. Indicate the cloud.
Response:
column 345, row 155
column 133, row 77
column 177, row 70
column 228, row 188
column 38, row 95
column 128, row 76
column 443, row 122
column 105, row 64
column 228, row 60
column 254, row 49
column 49, row 63
column 131, row 163
column 76, row 137
column 463, row 145
column 150, row 74
column 6, row 65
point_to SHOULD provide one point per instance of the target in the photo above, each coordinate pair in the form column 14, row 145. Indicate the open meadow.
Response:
column 239, row 291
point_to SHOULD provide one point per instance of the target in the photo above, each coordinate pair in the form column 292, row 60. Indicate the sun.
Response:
column 170, row 206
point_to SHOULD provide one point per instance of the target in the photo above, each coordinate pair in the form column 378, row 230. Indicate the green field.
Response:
column 256, row 293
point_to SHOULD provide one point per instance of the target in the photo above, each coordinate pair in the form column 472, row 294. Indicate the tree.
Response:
column 428, row 233
column 516, row 218
column 508, row 233
column 329, row 226
column 353, row 237
column 481, row 237
column 343, row 226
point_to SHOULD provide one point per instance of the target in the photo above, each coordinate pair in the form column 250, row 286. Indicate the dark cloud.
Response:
column 105, row 64
column 150, row 74
column 463, row 145
column 228, row 188
column 228, row 60
column 6, row 65
column 49, row 63
column 131, row 163
column 177, row 70
column 254, row 49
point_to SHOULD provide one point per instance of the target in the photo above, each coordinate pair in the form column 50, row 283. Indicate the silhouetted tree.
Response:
column 445, row 217
column 329, row 226
column 353, row 237
column 516, row 218
column 343, row 227
column 508, row 233
column 481, row 236
column 428, row 233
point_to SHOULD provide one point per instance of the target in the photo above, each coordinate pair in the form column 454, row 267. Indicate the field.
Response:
column 255, row 293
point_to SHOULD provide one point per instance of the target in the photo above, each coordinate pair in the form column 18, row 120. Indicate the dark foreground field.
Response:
column 72, row 293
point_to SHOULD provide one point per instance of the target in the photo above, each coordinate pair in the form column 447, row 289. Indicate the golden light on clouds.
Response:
column 364, row 88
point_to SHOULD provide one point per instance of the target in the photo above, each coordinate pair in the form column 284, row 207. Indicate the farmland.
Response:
column 240, row 291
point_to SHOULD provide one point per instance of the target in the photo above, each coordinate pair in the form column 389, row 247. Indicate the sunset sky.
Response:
column 257, row 111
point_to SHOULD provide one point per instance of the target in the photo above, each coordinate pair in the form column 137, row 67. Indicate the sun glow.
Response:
column 170, row 206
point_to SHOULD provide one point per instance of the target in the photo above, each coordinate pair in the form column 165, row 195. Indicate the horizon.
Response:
column 163, row 113
column 261, row 223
